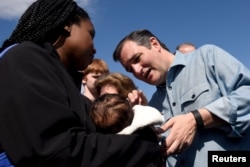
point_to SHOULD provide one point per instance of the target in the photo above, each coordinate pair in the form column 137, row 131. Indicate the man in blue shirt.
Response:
column 204, row 96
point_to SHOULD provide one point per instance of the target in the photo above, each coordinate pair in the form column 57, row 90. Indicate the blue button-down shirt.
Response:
column 208, row 78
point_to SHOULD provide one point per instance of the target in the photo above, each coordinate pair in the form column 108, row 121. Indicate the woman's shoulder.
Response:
column 28, row 51
column 21, row 49
column 28, row 46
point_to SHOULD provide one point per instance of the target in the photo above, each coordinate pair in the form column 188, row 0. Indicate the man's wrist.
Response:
column 198, row 119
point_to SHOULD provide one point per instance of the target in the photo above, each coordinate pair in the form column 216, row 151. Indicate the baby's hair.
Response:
column 111, row 113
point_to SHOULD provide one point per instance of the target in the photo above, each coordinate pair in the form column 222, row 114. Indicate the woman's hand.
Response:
column 137, row 97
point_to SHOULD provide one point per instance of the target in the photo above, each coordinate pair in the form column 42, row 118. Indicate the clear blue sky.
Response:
column 225, row 23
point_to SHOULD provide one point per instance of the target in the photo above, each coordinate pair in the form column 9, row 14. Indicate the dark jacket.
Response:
column 44, row 120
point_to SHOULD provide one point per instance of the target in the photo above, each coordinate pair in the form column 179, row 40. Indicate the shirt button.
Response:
column 173, row 104
column 193, row 96
column 170, row 88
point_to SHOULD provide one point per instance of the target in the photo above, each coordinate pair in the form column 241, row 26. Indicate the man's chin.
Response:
column 151, row 82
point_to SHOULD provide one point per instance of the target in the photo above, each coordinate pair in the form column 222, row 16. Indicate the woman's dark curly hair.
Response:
column 44, row 21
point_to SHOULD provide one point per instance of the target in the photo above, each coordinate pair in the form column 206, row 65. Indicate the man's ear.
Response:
column 155, row 43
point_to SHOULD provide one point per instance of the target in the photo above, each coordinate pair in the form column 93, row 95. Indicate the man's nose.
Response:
column 136, row 69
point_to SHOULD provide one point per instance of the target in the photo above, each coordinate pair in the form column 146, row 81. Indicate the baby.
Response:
column 113, row 113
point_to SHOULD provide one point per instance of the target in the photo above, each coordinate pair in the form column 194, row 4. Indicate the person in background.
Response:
column 118, row 83
column 94, row 70
column 204, row 98
column 186, row 47
column 44, row 119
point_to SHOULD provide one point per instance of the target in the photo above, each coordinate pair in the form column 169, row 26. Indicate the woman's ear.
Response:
column 63, row 34
column 67, row 28
column 66, row 31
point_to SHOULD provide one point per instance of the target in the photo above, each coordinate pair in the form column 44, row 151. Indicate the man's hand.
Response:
column 182, row 131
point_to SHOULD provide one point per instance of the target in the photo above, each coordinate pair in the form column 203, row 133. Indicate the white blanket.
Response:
column 143, row 116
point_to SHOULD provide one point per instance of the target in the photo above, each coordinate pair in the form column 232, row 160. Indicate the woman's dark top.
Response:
column 44, row 120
